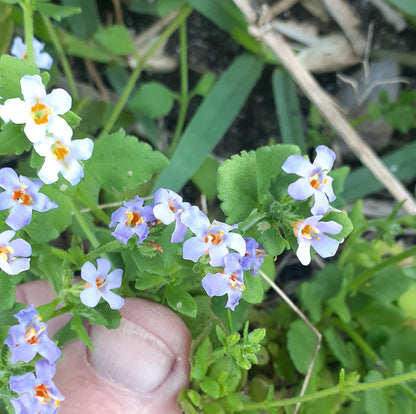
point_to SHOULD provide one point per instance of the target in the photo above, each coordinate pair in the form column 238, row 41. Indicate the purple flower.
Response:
column 30, row 338
column 230, row 281
column 314, row 181
column 310, row 232
column 213, row 239
column 132, row 219
column 14, row 255
column 168, row 208
column 99, row 282
column 253, row 259
column 22, row 196
column 38, row 394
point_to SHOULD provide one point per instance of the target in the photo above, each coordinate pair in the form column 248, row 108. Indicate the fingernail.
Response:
column 130, row 356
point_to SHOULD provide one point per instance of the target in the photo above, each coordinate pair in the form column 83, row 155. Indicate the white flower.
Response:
column 42, row 59
column 38, row 110
column 62, row 156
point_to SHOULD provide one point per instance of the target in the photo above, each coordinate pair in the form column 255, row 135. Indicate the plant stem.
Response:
column 97, row 211
column 363, row 277
column 62, row 56
column 183, row 14
column 108, row 247
column 28, row 23
column 84, row 226
column 347, row 388
column 184, row 99
column 230, row 321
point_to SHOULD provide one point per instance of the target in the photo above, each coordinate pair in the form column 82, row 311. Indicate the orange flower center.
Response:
column 42, row 392
column 60, row 151
column 214, row 238
column 310, row 232
column 100, row 282
column 235, row 284
column 31, row 335
column 21, row 197
column 40, row 113
column 316, row 181
column 133, row 219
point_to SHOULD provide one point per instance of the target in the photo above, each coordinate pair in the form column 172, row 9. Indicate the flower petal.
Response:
column 215, row 284
column 32, row 88
column 114, row 278
column 103, row 267
column 17, row 111
column 59, row 100
column 115, row 301
column 88, row 272
column 90, row 296
column 325, row 158
column 304, row 251
column 295, row 164
column 325, row 246
column 321, row 204
column 196, row 220
column 194, row 248
column 19, row 217
column 300, row 189
column 81, row 149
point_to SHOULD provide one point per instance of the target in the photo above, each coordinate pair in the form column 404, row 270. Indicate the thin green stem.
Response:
column 106, row 248
column 97, row 211
column 363, row 277
column 62, row 254
column 62, row 56
column 183, row 14
column 84, row 226
column 230, row 321
column 28, row 23
column 347, row 388
column 251, row 220
column 184, row 98
column 360, row 342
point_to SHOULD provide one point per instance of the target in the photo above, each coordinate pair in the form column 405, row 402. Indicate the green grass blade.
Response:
column 288, row 109
column 361, row 182
column 211, row 121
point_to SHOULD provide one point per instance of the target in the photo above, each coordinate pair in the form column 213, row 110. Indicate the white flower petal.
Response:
column 34, row 132
column 59, row 100
column 17, row 111
column 81, row 149
column 32, row 88
column 60, row 129
column 49, row 171
column 18, row 48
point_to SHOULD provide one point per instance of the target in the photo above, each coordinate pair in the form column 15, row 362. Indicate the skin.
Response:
column 138, row 368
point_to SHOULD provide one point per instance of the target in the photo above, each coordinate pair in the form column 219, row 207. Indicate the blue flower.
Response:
column 14, row 255
column 254, row 257
column 42, row 59
column 211, row 238
column 310, row 233
column 99, row 282
column 22, row 196
column 131, row 219
column 168, row 208
column 315, row 179
column 38, row 394
column 30, row 338
column 230, row 281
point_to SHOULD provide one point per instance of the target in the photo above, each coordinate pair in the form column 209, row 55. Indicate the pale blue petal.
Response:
column 327, row 189
column 325, row 158
column 6, row 200
column 89, row 273
column 90, row 296
column 215, row 284
column 217, row 254
column 21, row 248
column 301, row 189
column 179, row 233
column 325, row 246
column 9, row 179
column 194, row 248
column 321, row 204
column 235, row 241
column 304, row 251
column 19, row 217
column 330, row 227
column 114, row 279
column 163, row 213
column 233, row 298
column 295, row 164
column 115, row 301
column 196, row 221
column 103, row 267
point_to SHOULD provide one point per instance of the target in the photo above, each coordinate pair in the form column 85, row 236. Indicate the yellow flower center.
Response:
column 235, row 284
column 310, row 232
column 214, row 238
column 5, row 251
column 100, row 281
column 316, row 180
column 40, row 113
column 59, row 152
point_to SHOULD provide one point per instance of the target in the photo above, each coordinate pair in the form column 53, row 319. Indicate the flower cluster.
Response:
column 212, row 239
column 315, row 182
column 42, row 59
column 38, row 394
column 47, row 130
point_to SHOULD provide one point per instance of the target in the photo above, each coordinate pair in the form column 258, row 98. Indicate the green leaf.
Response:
column 78, row 327
column 211, row 121
column 204, row 85
column 181, row 301
column 301, row 343
column 57, row 12
column 146, row 280
column 116, row 39
column 288, row 109
column 345, row 352
column 85, row 24
column 400, row 346
column 376, row 401
column 254, row 290
column 7, row 290
column 201, row 360
column 361, row 182
column 343, row 219
column 6, row 27
column 210, row 387
column 11, row 71
column 272, row 241
column 153, row 100
column 407, row 6
column 123, row 162
column 50, row 224
column 72, row 118
column 245, row 179
column 205, row 178
column 13, row 140
column 164, row 7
